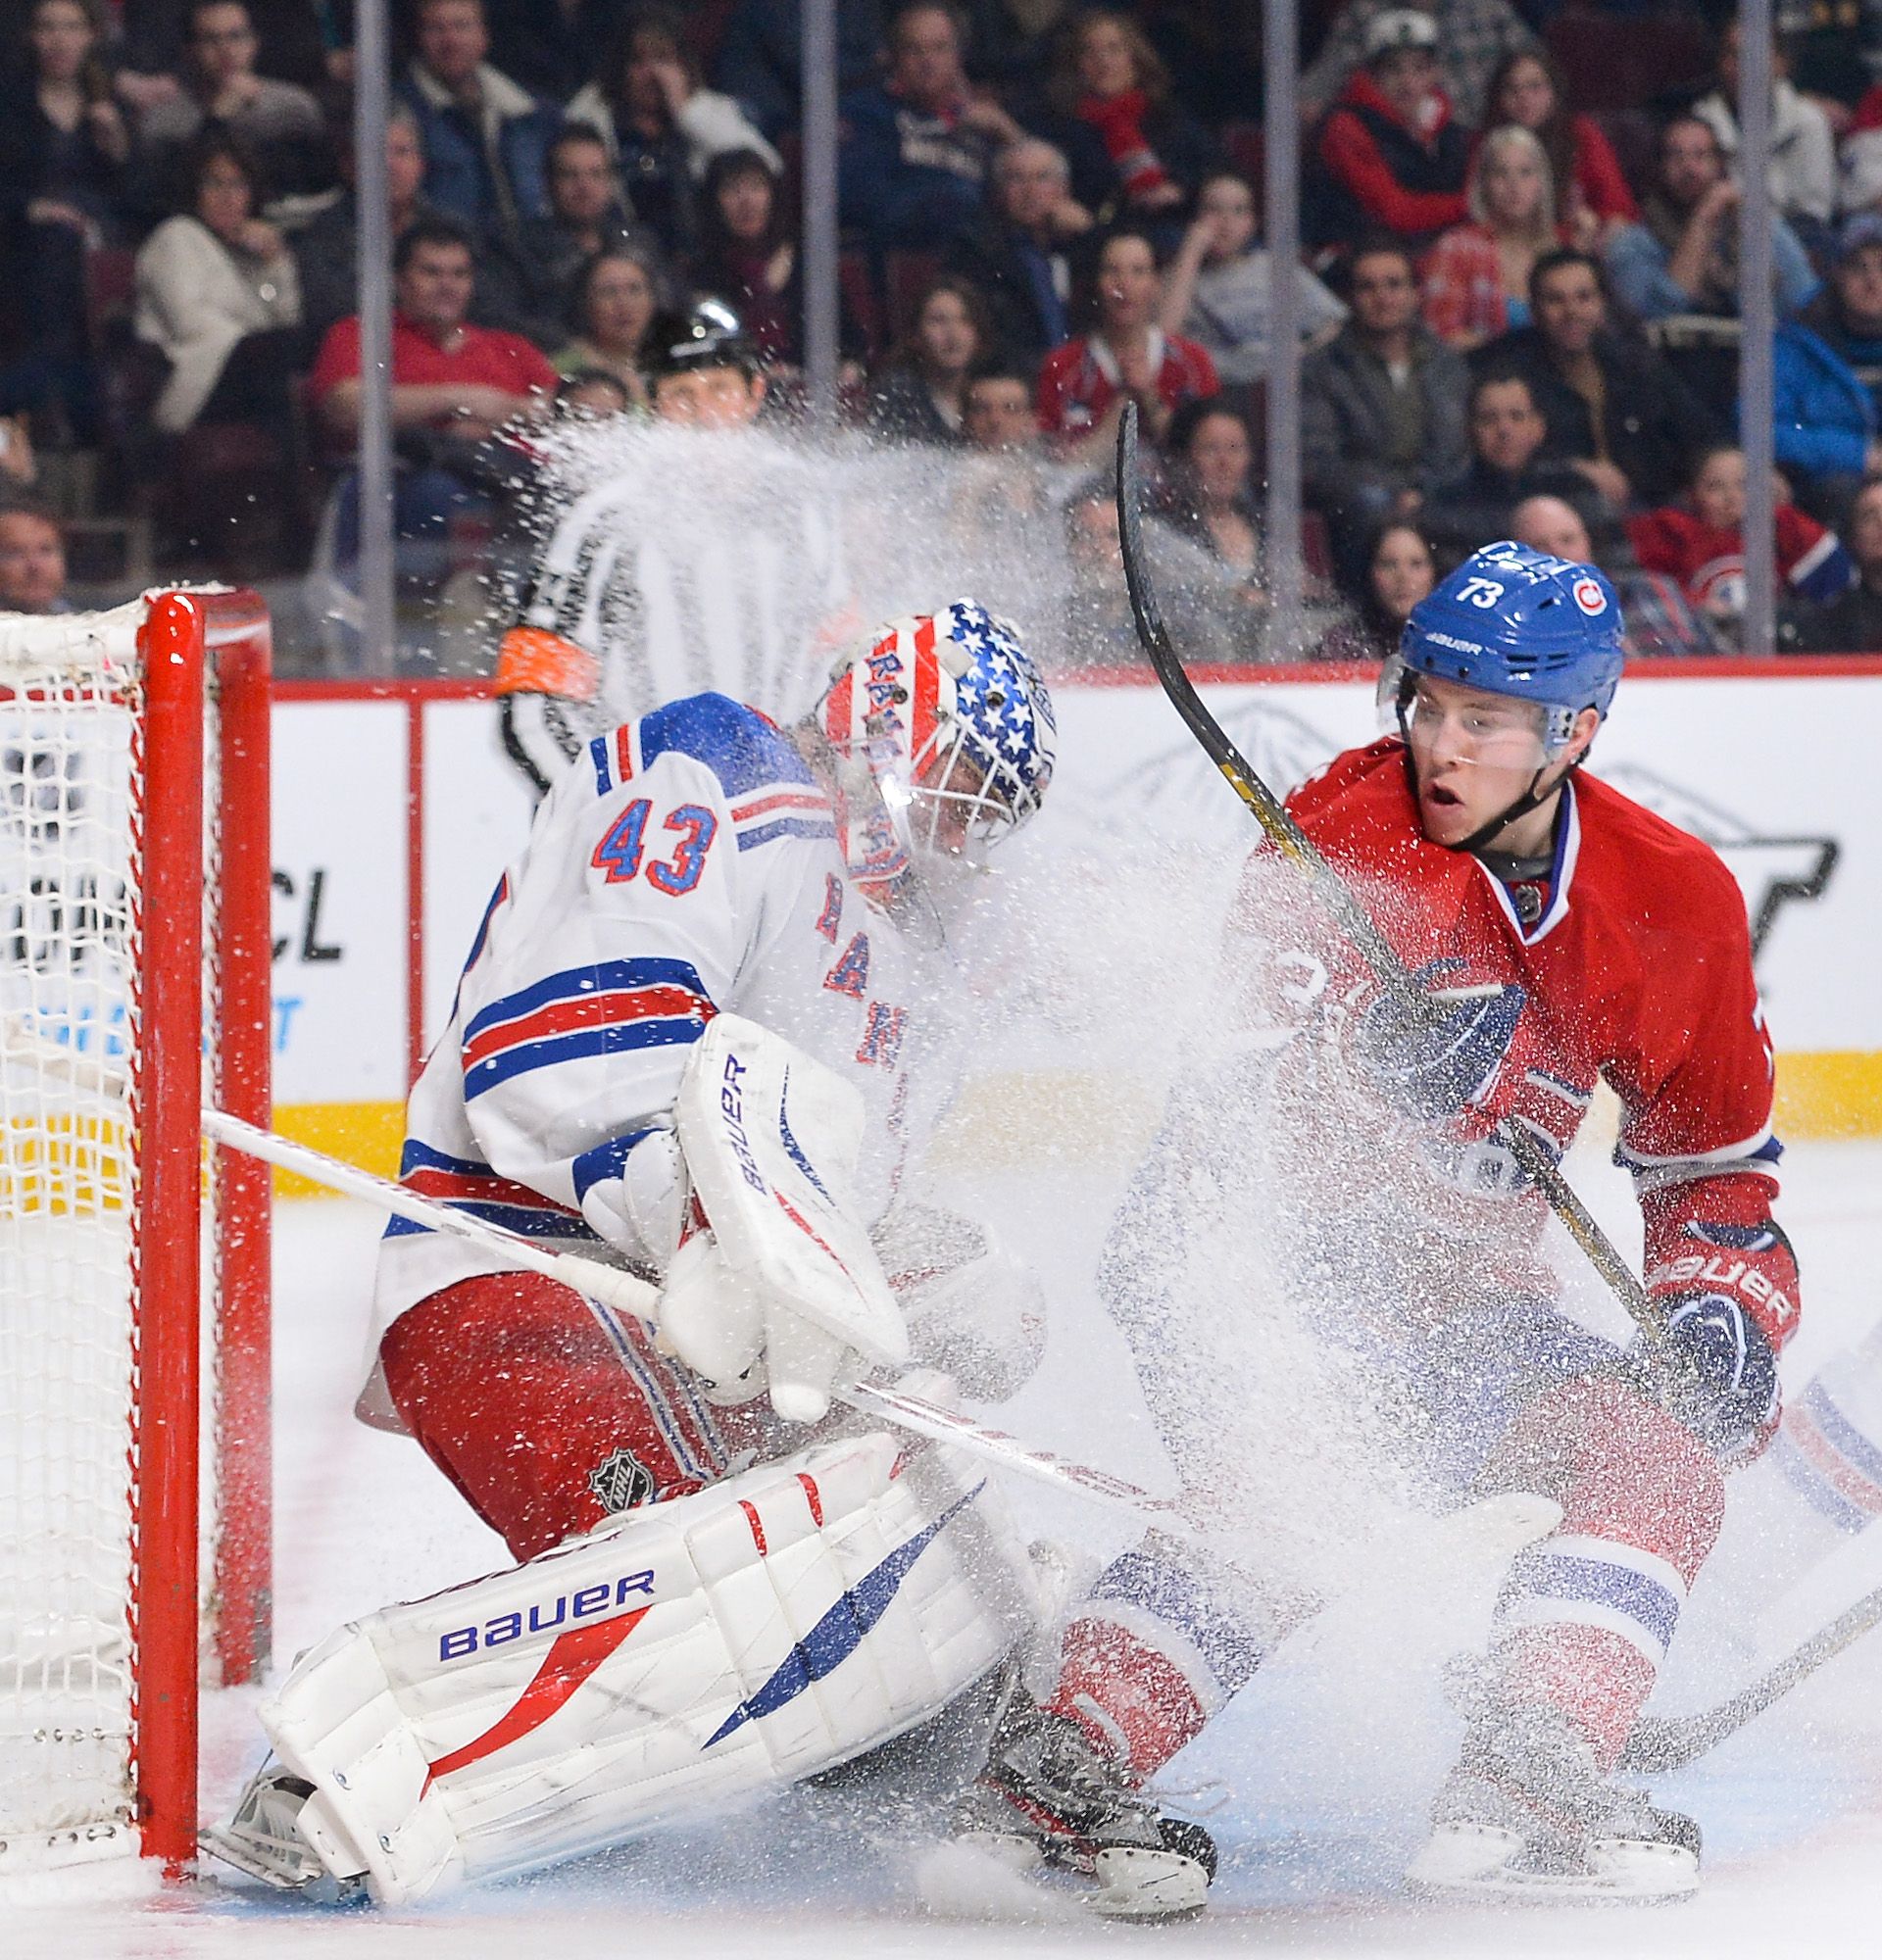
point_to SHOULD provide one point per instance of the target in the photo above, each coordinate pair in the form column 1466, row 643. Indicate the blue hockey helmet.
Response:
column 1518, row 622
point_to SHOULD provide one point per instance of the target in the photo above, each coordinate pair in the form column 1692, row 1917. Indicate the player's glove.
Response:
column 1439, row 1062
column 1729, row 1396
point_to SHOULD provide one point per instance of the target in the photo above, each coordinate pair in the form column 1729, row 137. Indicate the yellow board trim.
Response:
column 1836, row 1093
column 1075, row 1115
column 365, row 1134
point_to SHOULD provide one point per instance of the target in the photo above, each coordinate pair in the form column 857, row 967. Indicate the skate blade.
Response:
column 279, row 1870
column 1152, row 1888
column 1480, row 1861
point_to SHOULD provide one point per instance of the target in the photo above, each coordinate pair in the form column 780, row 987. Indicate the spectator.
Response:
column 1507, row 464
column 1615, row 410
column 761, row 59
column 922, row 395
column 1826, row 411
column 748, row 258
column 1846, row 316
column 1202, row 611
column 1217, row 289
column 661, row 126
column 1138, row 157
column 1802, row 148
column 1026, row 251
column 1682, row 257
column 448, row 377
column 999, row 416
column 1701, row 542
column 1389, row 156
column 1848, row 625
column 528, row 286
column 63, row 150
column 1476, row 281
column 485, row 139
column 1382, row 408
column 917, row 146
column 1400, row 571
column 1211, row 451
column 453, row 385
column 326, row 249
column 1527, row 90
column 218, row 291
column 612, row 307
column 592, row 394
column 279, row 122
column 19, row 467
column 1474, row 36
column 1084, row 384
column 32, row 560
column 1657, row 619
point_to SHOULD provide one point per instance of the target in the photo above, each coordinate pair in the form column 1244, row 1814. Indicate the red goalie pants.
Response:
column 1583, row 1622
column 547, row 1413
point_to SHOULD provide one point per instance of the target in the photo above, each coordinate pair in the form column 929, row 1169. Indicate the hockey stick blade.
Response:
column 1339, row 897
column 624, row 1293
column 1661, row 1743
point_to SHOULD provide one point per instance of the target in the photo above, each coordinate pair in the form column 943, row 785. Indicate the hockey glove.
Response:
column 1436, row 1063
column 1728, row 1398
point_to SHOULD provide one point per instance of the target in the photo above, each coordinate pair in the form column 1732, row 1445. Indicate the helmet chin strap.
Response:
column 1533, row 798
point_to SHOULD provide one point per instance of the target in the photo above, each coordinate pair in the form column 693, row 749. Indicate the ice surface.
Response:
column 1318, row 1775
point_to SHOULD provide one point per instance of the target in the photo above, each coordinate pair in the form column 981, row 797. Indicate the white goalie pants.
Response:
column 772, row 1626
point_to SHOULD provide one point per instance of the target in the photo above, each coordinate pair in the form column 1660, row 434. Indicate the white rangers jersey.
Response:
column 683, row 865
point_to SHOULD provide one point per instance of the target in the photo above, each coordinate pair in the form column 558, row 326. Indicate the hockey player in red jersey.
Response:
column 1570, row 936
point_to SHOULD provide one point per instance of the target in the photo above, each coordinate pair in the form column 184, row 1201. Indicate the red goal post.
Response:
column 135, row 1282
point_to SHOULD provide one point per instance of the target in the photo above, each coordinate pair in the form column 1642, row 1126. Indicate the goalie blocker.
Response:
column 779, row 1623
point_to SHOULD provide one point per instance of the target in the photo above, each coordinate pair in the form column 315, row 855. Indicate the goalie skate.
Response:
column 1526, row 1815
column 267, row 1838
column 1049, row 1798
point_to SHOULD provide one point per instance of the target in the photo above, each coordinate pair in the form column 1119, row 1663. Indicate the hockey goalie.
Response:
column 689, row 1040
column 1564, row 936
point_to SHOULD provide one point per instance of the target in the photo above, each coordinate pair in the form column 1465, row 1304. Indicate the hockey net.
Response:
column 134, row 1264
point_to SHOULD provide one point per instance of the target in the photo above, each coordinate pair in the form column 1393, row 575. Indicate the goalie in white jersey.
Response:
column 701, row 894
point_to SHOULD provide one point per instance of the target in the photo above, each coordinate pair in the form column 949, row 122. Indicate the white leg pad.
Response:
column 775, row 1625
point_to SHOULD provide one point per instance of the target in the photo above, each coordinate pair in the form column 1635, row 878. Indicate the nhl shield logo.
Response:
column 622, row 1481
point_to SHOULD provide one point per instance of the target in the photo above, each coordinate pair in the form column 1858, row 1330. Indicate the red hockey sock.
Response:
column 546, row 1423
column 1132, row 1699
column 1588, row 1611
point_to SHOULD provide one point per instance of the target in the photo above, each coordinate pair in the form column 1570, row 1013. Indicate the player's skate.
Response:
column 1048, row 1796
column 265, row 1837
column 1526, row 1815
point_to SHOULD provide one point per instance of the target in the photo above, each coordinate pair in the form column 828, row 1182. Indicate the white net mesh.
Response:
column 71, row 925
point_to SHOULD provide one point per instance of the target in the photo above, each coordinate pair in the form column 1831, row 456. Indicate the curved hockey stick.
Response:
column 1352, row 917
column 1669, row 1743
column 624, row 1293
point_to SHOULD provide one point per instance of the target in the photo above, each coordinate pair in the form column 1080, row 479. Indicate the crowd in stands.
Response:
column 1518, row 296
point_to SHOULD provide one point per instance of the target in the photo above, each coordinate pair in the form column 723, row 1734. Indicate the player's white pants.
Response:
column 772, row 1626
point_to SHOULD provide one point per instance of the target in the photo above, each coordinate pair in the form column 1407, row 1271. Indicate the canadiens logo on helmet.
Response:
column 1590, row 597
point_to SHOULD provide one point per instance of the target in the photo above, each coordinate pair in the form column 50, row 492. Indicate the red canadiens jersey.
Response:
column 1638, row 970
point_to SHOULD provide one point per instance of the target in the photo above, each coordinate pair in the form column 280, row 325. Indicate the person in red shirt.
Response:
column 1564, row 936
column 1389, row 157
column 453, row 385
column 1701, row 542
column 1084, row 384
column 447, row 376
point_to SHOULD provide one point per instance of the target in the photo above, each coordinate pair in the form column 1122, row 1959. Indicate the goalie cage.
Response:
column 134, row 981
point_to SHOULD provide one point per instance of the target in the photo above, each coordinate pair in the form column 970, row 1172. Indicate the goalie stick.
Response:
column 1661, row 1743
column 625, row 1293
column 1352, row 917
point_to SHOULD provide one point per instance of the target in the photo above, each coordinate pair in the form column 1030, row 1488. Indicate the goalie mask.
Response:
column 944, row 738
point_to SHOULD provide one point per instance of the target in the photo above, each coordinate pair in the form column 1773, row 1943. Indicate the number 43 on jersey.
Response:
column 618, row 854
